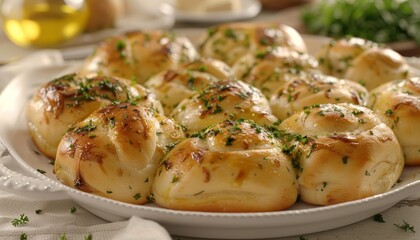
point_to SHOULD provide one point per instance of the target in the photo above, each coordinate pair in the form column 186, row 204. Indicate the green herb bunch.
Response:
column 382, row 21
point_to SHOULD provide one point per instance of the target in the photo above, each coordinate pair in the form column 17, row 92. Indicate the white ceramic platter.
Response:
column 249, row 9
column 300, row 219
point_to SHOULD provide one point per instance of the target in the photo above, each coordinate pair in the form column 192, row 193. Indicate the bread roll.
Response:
column 115, row 151
column 377, row 66
column 229, row 41
column 268, row 70
column 397, row 104
column 342, row 152
column 62, row 102
column 221, row 101
column 362, row 61
column 337, row 56
column 172, row 86
column 311, row 89
column 234, row 166
column 137, row 56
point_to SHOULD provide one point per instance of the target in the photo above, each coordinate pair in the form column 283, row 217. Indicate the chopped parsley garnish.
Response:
column 151, row 198
column 405, row 227
column 202, row 69
column 229, row 33
column 378, row 218
column 89, row 237
column 198, row 193
column 137, row 196
column 23, row 236
column 345, row 159
column 111, row 122
column 120, row 46
column 389, row 112
column 38, row 211
column 23, row 219
column 357, row 112
column 170, row 146
column 261, row 55
column 230, row 140
column 41, row 171
column 73, row 210
column 217, row 110
column 175, row 179
column 87, row 128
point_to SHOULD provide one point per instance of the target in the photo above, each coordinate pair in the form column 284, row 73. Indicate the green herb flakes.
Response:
column 23, row 219
column 378, row 218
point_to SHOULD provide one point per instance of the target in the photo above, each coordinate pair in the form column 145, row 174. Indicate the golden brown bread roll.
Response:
column 342, row 152
column 268, row 70
column 62, row 102
column 362, row 61
column 311, row 89
column 229, row 41
column 172, row 86
column 336, row 57
column 377, row 66
column 397, row 104
column 115, row 151
column 234, row 166
column 137, row 56
column 221, row 101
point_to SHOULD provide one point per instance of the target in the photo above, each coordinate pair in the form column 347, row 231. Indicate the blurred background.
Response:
column 74, row 25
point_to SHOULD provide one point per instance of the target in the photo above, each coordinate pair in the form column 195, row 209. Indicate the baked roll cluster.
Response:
column 69, row 99
column 233, row 166
column 137, row 56
column 249, row 124
column 310, row 89
column 362, row 61
column 341, row 152
column 397, row 104
column 229, row 42
column 172, row 86
column 115, row 151
column 221, row 101
column 269, row 69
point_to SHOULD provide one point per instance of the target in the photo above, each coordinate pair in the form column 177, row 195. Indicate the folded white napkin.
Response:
column 54, row 219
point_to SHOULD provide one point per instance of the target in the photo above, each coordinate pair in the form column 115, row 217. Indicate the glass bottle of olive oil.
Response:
column 43, row 23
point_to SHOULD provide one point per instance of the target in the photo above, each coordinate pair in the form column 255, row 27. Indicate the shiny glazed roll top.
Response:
column 228, row 42
column 310, row 89
column 270, row 69
column 69, row 99
column 115, row 151
column 346, row 153
column 362, row 61
column 221, row 101
column 173, row 86
column 233, row 166
column 336, row 56
column 397, row 104
column 137, row 56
